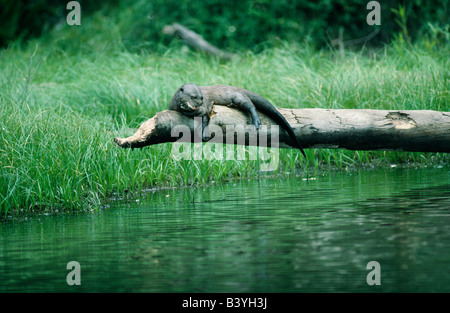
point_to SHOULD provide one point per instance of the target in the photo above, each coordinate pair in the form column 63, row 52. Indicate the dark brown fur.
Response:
column 193, row 100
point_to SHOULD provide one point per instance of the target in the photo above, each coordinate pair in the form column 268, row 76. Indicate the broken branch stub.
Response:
column 196, row 41
column 408, row 130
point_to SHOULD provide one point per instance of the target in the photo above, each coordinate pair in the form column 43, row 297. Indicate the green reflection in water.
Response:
column 294, row 235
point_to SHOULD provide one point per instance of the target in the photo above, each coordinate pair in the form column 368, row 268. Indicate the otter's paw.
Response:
column 257, row 123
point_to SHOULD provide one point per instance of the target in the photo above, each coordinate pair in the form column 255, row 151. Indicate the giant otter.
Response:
column 193, row 100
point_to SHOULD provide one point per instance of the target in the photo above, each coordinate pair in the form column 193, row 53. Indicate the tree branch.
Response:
column 195, row 40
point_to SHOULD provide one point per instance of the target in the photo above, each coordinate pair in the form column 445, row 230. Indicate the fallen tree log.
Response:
column 409, row 130
column 196, row 41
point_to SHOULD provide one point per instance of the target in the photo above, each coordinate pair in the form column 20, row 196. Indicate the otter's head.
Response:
column 190, row 97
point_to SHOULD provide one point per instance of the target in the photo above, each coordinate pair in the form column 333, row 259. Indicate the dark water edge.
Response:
column 314, row 234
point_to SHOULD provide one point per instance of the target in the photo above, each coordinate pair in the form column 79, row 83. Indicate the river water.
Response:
column 314, row 234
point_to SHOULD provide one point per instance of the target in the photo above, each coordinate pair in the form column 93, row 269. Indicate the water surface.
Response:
column 272, row 235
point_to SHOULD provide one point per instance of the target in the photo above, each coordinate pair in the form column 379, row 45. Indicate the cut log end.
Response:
column 122, row 142
column 142, row 137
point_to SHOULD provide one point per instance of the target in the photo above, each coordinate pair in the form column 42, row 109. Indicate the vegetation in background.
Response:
column 237, row 25
column 66, row 95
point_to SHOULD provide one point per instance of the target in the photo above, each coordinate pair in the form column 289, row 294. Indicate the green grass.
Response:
column 66, row 96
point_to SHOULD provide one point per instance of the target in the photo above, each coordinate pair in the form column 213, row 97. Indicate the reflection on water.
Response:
column 290, row 235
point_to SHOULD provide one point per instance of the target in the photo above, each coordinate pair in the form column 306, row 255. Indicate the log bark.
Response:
column 196, row 41
column 409, row 130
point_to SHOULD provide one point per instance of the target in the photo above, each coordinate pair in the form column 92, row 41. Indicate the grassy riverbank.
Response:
column 64, row 97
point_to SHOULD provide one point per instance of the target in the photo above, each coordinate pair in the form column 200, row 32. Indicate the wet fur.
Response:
column 193, row 100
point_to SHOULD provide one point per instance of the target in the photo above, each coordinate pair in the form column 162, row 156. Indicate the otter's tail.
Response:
column 264, row 106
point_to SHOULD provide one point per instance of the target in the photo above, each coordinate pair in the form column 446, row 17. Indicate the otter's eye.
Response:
column 201, row 98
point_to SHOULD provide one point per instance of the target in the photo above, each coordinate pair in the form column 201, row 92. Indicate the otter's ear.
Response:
column 181, row 89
